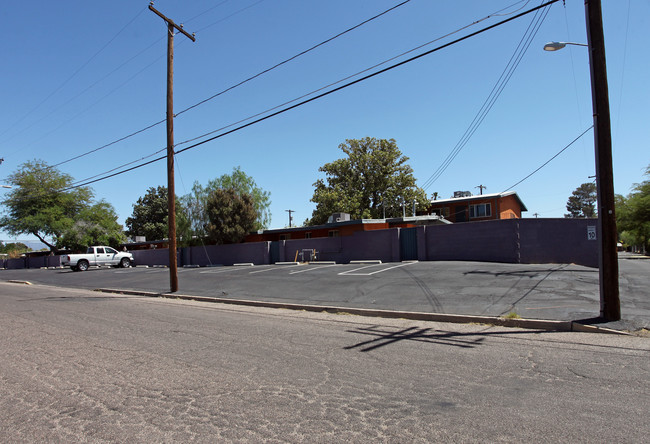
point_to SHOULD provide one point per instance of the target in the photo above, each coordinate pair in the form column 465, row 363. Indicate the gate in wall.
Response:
column 408, row 244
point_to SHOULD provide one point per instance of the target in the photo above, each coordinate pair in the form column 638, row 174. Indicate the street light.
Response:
column 610, row 305
column 556, row 46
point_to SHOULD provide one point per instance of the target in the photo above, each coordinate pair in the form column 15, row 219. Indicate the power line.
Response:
column 227, row 89
column 65, row 82
column 498, row 88
column 549, row 160
column 304, row 102
column 95, row 179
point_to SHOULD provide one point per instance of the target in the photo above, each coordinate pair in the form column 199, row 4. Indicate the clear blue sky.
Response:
column 77, row 75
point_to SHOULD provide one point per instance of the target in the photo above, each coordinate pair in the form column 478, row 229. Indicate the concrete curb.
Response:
column 20, row 282
column 533, row 324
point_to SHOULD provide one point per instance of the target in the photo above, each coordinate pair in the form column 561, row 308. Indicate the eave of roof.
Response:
column 482, row 197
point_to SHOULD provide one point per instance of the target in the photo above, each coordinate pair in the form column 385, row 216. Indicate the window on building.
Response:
column 285, row 236
column 333, row 233
column 480, row 210
column 443, row 212
column 308, row 235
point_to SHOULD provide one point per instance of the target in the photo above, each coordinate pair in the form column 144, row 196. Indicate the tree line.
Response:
column 371, row 180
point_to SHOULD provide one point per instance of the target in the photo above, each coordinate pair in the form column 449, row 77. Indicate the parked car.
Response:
column 99, row 255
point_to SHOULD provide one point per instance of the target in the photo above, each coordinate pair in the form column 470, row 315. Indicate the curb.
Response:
column 533, row 324
column 19, row 282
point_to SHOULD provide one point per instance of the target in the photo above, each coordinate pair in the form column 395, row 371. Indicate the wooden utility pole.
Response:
column 481, row 187
column 610, row 305
column 171, row 192
column 290, row 218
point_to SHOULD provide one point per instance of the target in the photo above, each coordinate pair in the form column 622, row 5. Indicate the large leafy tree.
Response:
column 95, row 225
column 42, row 203
column 150, row 215
column 231, row 215
column 195, row 203
column 582, row 202
column 633, row 214
column 374, row 178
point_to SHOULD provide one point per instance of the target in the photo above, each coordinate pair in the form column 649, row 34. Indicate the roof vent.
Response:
column 338, row 217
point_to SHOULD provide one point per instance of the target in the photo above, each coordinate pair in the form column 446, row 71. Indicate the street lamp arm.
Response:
column 556, row 46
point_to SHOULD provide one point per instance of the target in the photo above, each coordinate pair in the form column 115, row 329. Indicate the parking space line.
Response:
column 228, row 269
column 352, row 272
column 316, row 267
column 274, row 268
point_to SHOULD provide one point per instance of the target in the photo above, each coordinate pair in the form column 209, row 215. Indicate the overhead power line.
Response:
column 496, row 91
column 354, row 82
column 549, row 160
column 235, row 85
column 65, row 82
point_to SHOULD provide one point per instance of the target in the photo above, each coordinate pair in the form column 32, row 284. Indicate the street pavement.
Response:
column 81, row 366
column 560, row 292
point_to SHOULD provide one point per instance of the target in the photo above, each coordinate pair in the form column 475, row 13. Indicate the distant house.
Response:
column 340, row 225
column 464, row 207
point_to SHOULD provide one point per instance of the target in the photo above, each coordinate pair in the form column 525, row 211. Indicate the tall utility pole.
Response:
column 290, row 211
column 610, row 305
column 171, row 192
column 481, row 187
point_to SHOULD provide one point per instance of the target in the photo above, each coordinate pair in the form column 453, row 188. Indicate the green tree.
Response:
column 42, row 202
column 633, row 214
column 373, row 178
column 14, row 249
column 150, row 215
column 94, row 225
column 231, row 215
column 582, row 202
column 195, row 203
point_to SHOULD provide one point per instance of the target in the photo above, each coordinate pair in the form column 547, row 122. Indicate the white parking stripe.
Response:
column 229, row 269
column 284, row 267
column 351, row 272
column 316, row 267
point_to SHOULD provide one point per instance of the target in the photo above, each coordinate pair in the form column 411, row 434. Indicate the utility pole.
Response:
column 481, row 187
column 610, row 304
column 290, row 211
column 171, row 192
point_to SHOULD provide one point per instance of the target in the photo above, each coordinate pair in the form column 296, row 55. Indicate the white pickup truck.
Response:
column 97, row 256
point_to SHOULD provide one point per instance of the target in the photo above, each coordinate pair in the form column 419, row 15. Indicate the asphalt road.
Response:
column 81, row 366
column 542, row 291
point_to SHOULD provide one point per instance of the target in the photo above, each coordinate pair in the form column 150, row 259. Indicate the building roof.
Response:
column 481, row 197
column 408, row 219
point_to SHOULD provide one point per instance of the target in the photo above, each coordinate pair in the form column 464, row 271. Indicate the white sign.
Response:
column 591, row 232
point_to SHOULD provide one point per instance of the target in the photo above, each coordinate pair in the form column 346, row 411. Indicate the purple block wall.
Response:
column 489, row 241
column 255, row 252
column 158, row 256
column 362, row 245
column 15, row 264
column 558, row 241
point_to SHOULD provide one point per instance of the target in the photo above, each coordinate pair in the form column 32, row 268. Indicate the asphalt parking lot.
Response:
column 541, row 291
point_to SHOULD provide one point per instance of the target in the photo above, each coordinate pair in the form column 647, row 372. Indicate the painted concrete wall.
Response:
column 528, row 241
column 489, row 241
column 510, row 241
column 558, row 241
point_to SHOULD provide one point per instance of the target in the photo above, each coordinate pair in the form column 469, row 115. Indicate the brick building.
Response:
column 467, row 208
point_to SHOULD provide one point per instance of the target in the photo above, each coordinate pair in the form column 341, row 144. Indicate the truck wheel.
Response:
column 82, row 265
column 125, row 262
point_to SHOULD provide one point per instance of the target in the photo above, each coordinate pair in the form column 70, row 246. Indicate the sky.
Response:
column 79, row 75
